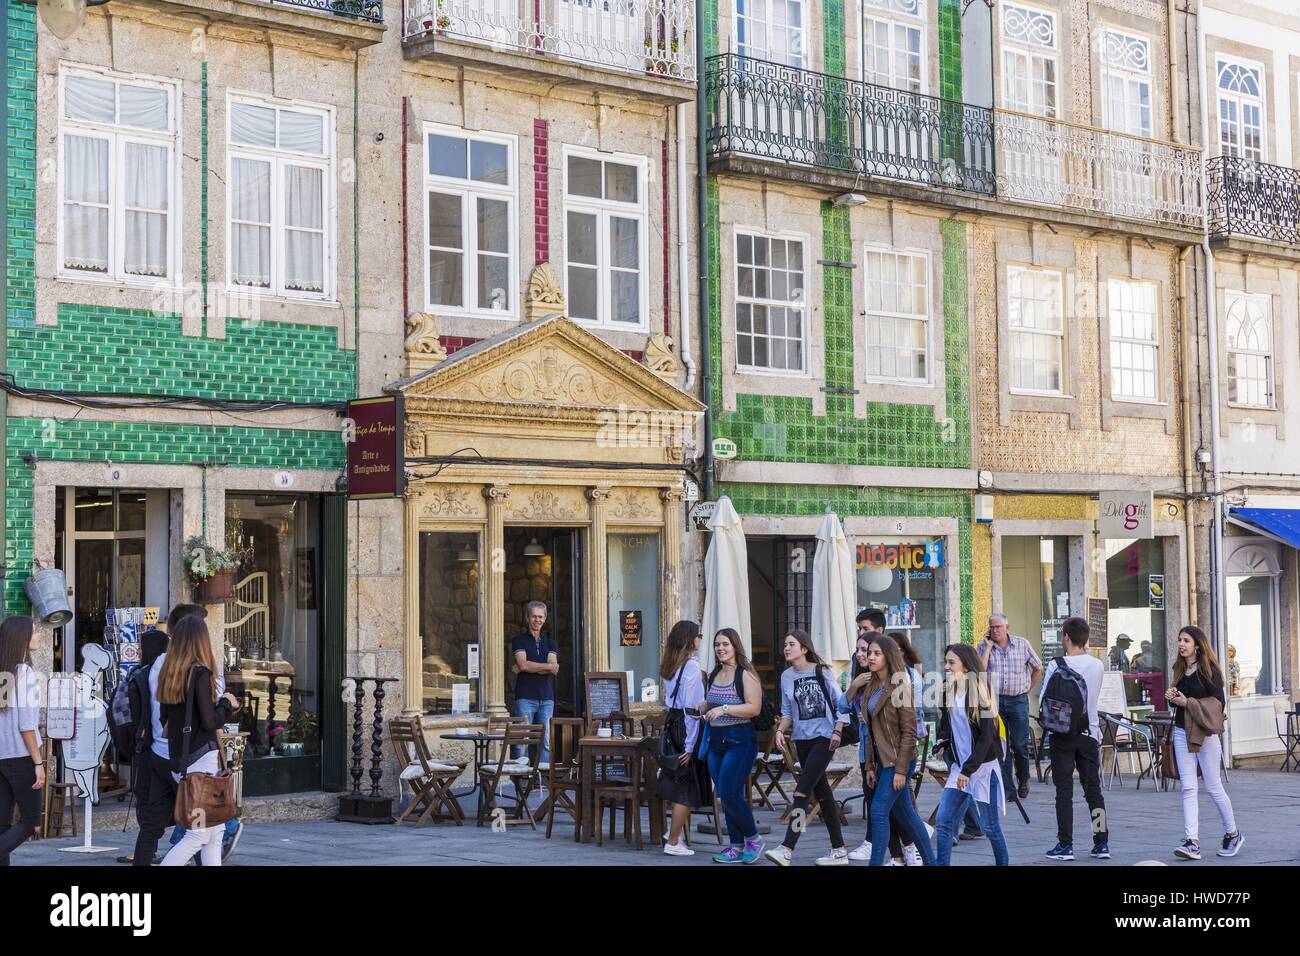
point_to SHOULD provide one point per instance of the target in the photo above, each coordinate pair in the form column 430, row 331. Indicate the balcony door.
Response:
column 1126, row 177
column 603, row 31
column 1033, row 151
column 899, row 125
column 774, row 104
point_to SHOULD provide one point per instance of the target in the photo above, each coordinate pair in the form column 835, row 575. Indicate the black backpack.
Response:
column 1064, row 708
column 766, row 718
column 129, row 714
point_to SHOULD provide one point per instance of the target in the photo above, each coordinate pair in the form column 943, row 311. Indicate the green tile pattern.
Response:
column 833, row 37
column 139, row 443
column 124, row 351
column 20, row 189
column 950, row 85
column 712, row 43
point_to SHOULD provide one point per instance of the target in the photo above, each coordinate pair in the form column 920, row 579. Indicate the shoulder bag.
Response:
column 202, row 799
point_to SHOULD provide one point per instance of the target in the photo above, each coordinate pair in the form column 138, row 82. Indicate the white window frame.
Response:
column 118, row 137
column 1030, row 52
column 469, row 190
column 799, row 34
column 1019, row 330
column 604, row 210
column 1241, row 99
column 893, row 23
column 279, row 158
column 1117, row 339
column 1230, row 296
column 927, row 318
column 736, row 299
column 1128, row 76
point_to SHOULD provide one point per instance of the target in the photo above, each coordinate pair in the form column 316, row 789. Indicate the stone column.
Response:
column 493, row 575
column 670, row 599
column 412, row 646
column 598, row 581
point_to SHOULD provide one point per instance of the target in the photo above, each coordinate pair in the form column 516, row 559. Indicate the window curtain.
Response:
column 304, row 237
column 251, row 238
column 146, row 178
column 85, row 190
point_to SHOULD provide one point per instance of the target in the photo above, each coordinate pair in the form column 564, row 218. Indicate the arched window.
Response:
column 1250, row 349
column 1251, row 617
column 1241, row 110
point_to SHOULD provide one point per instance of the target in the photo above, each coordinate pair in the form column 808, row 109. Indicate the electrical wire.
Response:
column 137, row 400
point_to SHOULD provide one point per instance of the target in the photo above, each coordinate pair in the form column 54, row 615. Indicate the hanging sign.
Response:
column 724, row 449
column 376, row 466
column 1125, row 514
column 702, row 513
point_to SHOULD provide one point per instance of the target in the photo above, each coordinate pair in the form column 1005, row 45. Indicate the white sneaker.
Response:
column 893, row 862
column 781, row 856
column 862, row 854
column 912, row 856
column 834, row 858
column 678, row 849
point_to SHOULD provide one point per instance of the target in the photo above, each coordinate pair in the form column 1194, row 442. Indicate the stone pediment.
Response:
column 549, row 363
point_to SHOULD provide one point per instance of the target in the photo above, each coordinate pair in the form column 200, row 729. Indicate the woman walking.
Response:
column 683, row 692
column 733, row 698
column 968, row 731
column 192, row 713
column 889, row 702
column 22, row 768
column 810, row 713
column 1198, row 702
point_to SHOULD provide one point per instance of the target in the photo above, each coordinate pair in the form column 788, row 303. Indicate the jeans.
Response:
column 1084, row 754
column 971, row 823
column 16, row 778
column 953, row 805
column 814, row 756
column 1208, row 758
column 537, row 712
column 155, row 796
column 883, row 801
column 1015, row 714
column 731, row 760
column 897, row 833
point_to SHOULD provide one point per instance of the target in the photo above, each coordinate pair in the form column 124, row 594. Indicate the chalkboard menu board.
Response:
column 606, row 693
column 1098, row 621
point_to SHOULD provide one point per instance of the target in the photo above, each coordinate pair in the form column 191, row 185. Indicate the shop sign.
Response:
column 1125, row 514
column 901, row 557
column 724, row 449
column 376, row 466
column 1156, row 591
column 702, row 513
column 629, row 628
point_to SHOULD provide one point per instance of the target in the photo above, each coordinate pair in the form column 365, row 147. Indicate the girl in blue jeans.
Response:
column 733, row 700
column 968, row 732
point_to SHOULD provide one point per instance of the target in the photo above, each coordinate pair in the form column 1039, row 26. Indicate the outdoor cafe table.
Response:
column 590, row 749
column 482, row 742
column 1161, row 725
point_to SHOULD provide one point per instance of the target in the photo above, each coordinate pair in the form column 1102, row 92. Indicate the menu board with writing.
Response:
column 1098, row 621
column 606, row 693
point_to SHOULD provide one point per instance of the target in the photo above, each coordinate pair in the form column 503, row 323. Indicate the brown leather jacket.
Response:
column 1204, row 719
column 893, row 728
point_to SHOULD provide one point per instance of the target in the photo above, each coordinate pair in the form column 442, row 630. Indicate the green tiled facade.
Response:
column 20, row 110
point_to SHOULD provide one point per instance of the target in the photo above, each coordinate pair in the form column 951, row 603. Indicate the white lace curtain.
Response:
column 304, row 220
column 145, row 182
column 251, row 237
column 85, row 209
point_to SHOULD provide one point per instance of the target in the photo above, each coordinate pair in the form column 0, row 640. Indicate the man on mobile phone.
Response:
column 1014, row 669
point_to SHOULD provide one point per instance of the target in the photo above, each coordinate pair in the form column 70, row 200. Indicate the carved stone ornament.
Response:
column 545, row 505
column 447, row 502
column 421, row 346
column 550, row 377
column 415, row 436
column 659, row 357
column 630, row 506
column 545, row 294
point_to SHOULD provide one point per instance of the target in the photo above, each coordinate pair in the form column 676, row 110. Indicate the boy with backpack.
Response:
column 1067, row 709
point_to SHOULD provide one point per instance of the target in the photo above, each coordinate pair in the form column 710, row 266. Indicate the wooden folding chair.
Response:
column 629, row 796
column 430, row 780
column 563, row 775
column 523, row 773
column 769, row 770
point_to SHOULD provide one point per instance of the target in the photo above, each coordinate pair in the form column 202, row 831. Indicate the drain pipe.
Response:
column 702, row 211
column 683, row 250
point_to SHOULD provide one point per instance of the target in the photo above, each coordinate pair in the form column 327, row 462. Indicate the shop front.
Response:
column 543, row 466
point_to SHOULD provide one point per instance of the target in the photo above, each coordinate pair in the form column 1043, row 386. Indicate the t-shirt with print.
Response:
column 804, row 703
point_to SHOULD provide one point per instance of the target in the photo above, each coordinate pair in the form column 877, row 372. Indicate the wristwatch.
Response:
column 726, row 709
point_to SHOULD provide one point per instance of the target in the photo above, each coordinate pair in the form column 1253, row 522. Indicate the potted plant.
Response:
column 294, row 733
column 656, row 54
column 211, row 569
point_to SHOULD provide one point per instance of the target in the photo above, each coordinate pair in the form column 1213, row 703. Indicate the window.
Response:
column 605, row 223
column 895, row 46
column 771, row 30
column 1252, row 595
column 1250, row 349
column 449, row 617
column 119, row 181
column 1036, row 307
column 1126, row 83
column 1029, row 63
column 1134, row 340
column 1241, row 109
column 770, row 284
column 471, row 229
column 898, row 315
column 632, row 561
column 281, row 186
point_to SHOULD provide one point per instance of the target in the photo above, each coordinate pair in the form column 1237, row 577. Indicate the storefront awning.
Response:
column 1280, row 524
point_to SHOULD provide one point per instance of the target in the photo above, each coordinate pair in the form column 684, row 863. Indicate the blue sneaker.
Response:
column 753, row 851
column 729, row 855
column 1100, row 851
column 1062, row 851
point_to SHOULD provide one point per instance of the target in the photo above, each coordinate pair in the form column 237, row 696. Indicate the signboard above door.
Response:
column 1125, row 514
column 376, row 467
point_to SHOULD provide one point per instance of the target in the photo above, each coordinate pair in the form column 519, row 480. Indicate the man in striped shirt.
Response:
column 1014, row 669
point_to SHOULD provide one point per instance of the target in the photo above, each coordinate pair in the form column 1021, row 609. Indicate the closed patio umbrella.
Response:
column 726, row 581
column 834, row 593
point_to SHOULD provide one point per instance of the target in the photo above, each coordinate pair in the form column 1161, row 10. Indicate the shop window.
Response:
column 1136, row 588
column 1252, row 601
column 1036, row 591
column 449, row 618
column 634, row 582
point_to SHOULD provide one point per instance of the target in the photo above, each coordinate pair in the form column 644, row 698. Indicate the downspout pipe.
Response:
column 702, row 213
column 683, row 248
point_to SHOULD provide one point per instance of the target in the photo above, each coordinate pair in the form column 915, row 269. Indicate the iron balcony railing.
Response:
column 1250, row 198
column 648, row 37
column 769, row 111
column 1050, row 162
column 369, row 10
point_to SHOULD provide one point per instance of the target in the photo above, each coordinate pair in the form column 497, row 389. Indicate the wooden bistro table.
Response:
column 592, row 749
column 482, row 743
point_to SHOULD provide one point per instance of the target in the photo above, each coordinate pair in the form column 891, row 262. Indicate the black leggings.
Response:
column 16, row 778
column 896, row 824
column 814, row 756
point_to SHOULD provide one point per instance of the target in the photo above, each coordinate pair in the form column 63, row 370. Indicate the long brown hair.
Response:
column 1207, row 660
column 910, row 657
column 981, row 701
column 189, row 648
column 896, row 675
column 15, row 645
column 679, row 647
column 738, row 649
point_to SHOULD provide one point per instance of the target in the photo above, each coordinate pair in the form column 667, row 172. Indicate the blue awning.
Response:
column 1280, row 524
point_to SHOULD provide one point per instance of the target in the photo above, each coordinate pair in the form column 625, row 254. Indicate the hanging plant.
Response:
column 203, row 561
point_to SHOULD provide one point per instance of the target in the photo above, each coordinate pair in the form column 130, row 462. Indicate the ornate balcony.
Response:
column 369, row 10
column 767, row 111
column 1047, row 162
column 645, row 37
column 1250, row 198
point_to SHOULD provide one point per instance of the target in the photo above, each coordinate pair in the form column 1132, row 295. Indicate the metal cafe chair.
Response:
column 1288, row 732
column 1122, row 736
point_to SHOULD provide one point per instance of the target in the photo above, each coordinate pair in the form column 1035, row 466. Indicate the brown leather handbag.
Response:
column 1168, row 762
column 202, row 799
